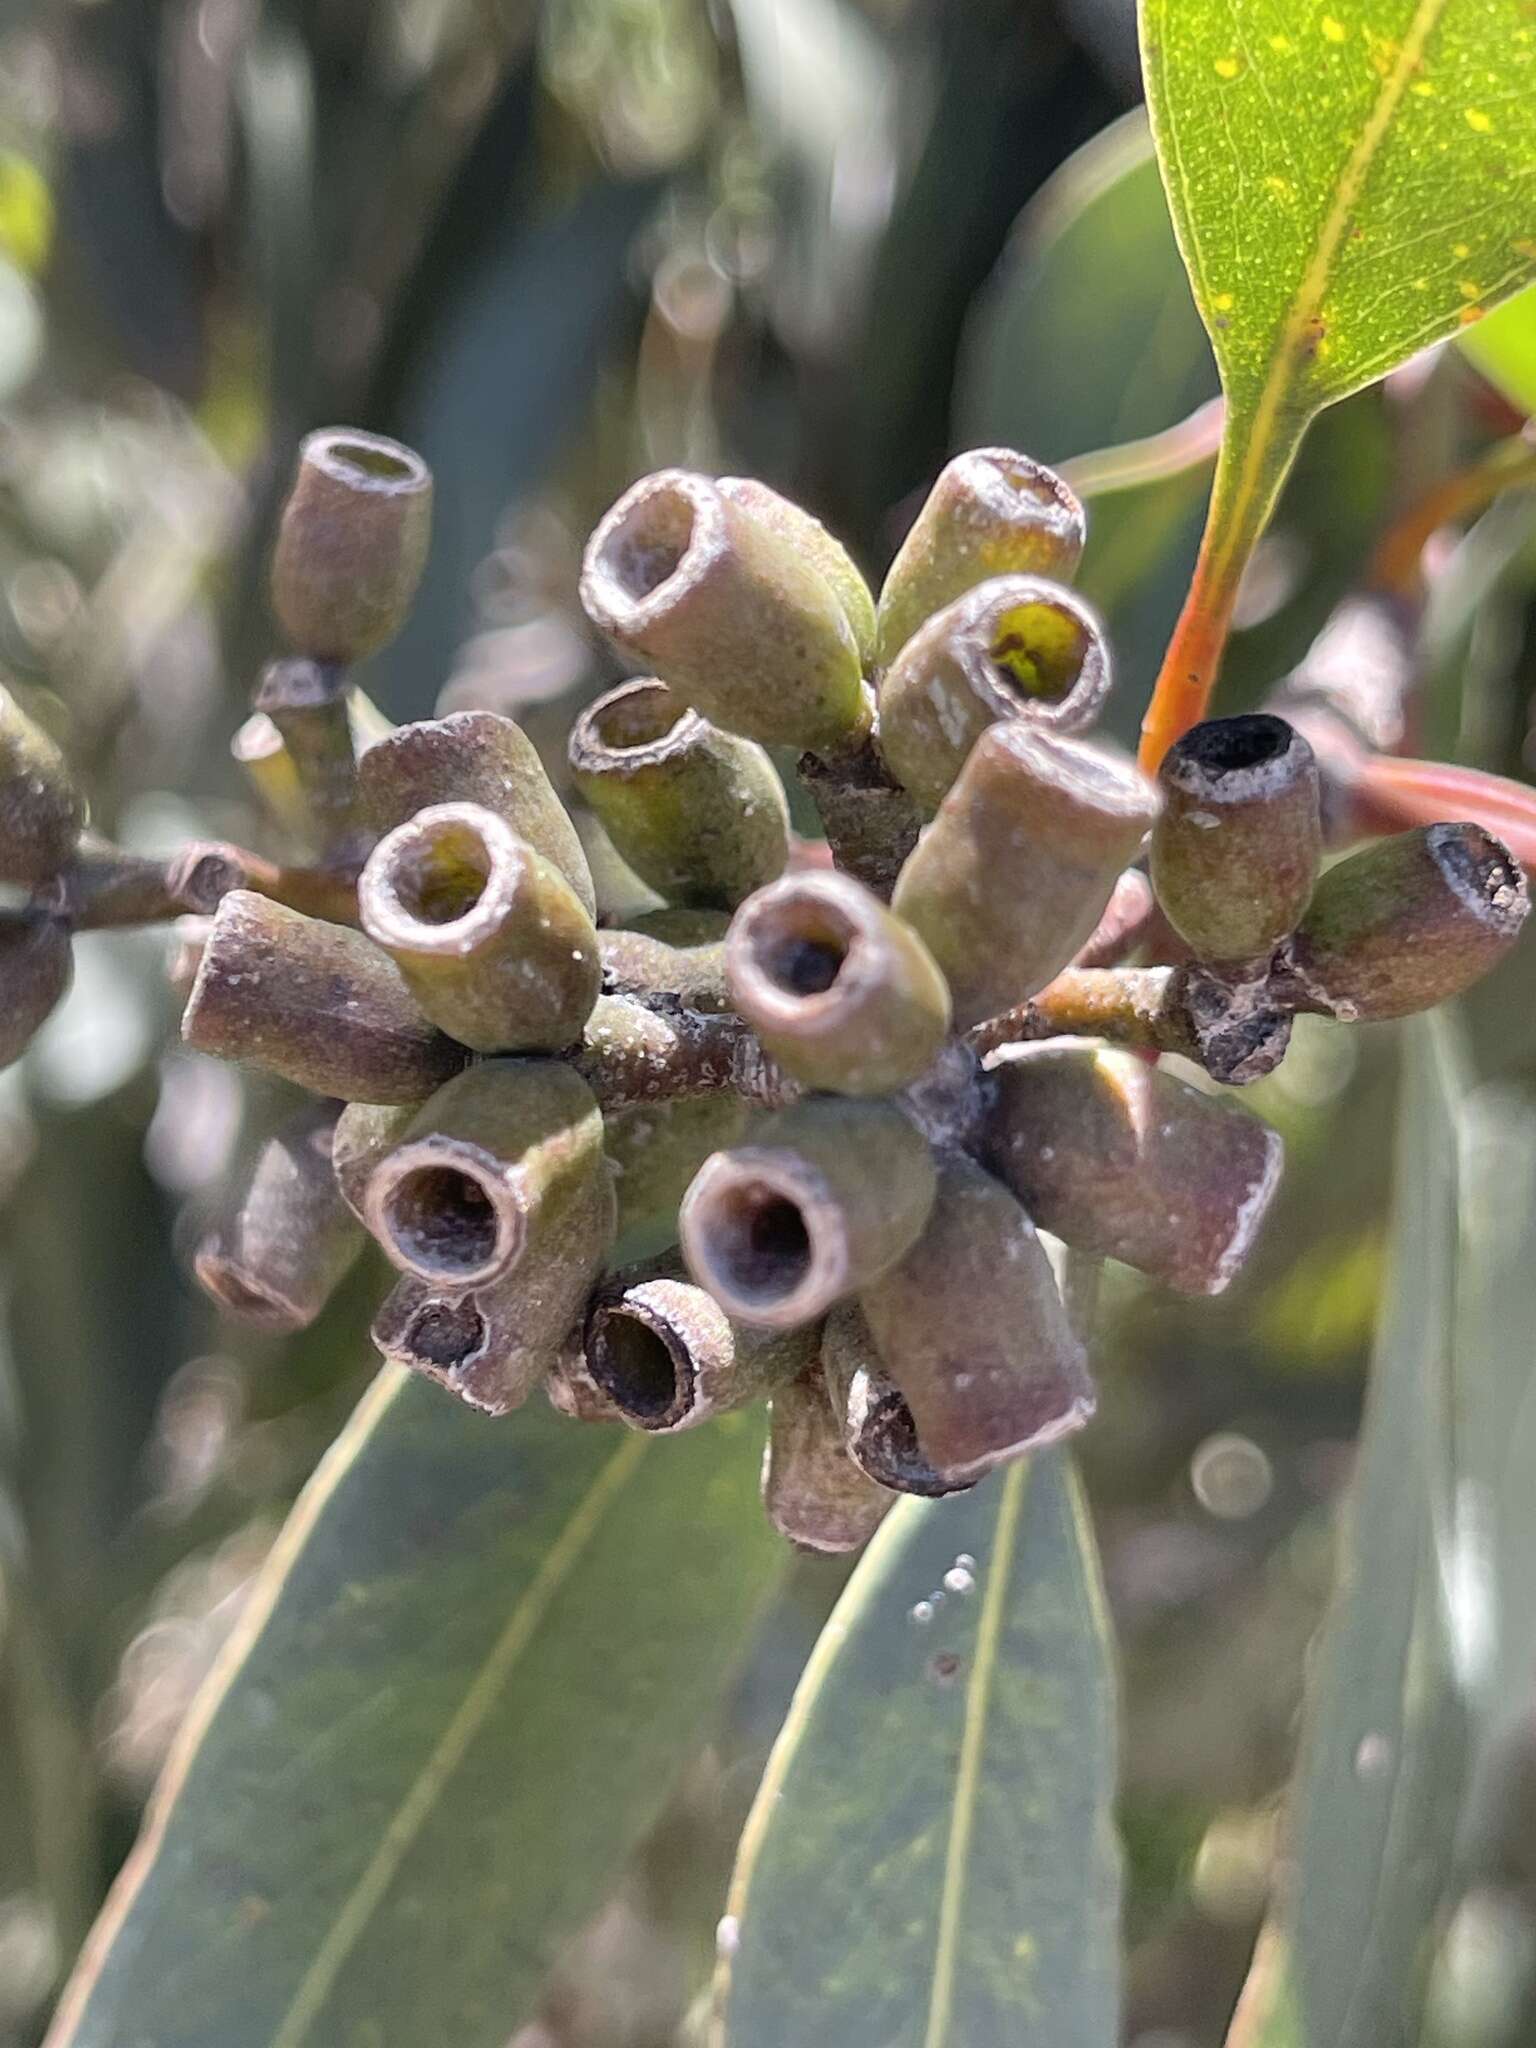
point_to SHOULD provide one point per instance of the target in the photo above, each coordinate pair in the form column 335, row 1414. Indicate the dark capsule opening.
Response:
column 804, row 949
column 1230, row 746
column 648, row 544
column 446, row 1334
column 442, row 1220
column 640, row 1367
column 364, row 460
column 1482, row 871
column 890, row 1453
column 636, row 716
column 762, row 1249
column 440, row 875
column 1038, row 650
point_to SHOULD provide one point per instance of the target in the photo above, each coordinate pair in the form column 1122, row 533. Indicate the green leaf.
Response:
column 1086, row 335
column 1503, row 346
column 477, row 1660
column 1375, row 1812
column 1349, row 183
column 931, row 1860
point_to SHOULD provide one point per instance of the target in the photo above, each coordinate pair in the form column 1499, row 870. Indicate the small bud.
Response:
column 844, row 995
column 501, row 1171
column 287, row 1240
column 35, row 969
column 972, row 1330
column 1017, row 648
column 41, row 811
column 315, row 1003
column 879, row 1432
column 473, row 757
column 811, row 539
column 655, row 1149
column 489, row 935
column 991, row 513
column 813, row 1492
column 365, row 1131
column 1235, row 852
column 668, row 1357
column 1406, row 923
column 352, row 544
column 698, row 814
column 824, row 1199
column 1122, row 1159
column 307, row 703
column 1015, row 871
column 728, row 613
column 636, row 964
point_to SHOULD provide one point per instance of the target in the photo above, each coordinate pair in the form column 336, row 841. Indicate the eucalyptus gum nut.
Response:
column 473, row 757
column 316, row 1003
column 365, row 1131
column 1406, row 923
column 826, row 1196
column 992, row 512
column 727, row 612
column 635, row 965
column 845, row 996
column 1235, row 854
column 36, row 966
column 41, row 812
column 655, row 1148
column 810, row 538
column 668, row 1357
column 973, row 1331
column 492, row 939
column 1122, row 1159
column 351, row 544
column 1015, row 871
column 501, row 1171
column 813, row 1492
column 878, row 1429
column 287, row 1239
column 698, row 814
column 1016, row 647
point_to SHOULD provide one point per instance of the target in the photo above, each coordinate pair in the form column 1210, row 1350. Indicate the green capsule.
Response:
column 992, row 512
column 698, row 814
column 1124, row 1160
column 501, row 1171
column 813, row 1493
column 473, row 757
column 36, row 963
column 654, row 1150
column 668, row 1357
column 351, row 544
column 845, row 996
column 1406, row 923
column 286, row 1239
column 878, row 1429
column 41, row 812
column 491, row 938
column 1015, row 871
column 973, row 1331
column 315, row 1003
column 825, row 1197
column 728, row 612
column 811, row 539
column 1235, row 853
column 1014, row 648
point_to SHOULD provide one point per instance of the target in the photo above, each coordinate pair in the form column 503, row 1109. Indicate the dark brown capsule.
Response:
column 879, row 1432
column 352, row 543
column 813, row 1492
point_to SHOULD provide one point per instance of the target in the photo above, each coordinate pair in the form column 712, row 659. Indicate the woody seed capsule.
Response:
column 844, row 995
column 1235, row 852
column 727, row 612
column 813, row 1492
column 697, row 813
column 490, row 936
column 992, row 512
column 808, row 537
column 352, row 544
column 365, row 1131
column 879, row 1432
column 287, row 1239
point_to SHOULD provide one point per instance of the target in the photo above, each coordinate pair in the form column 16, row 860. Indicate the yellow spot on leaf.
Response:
column 1467, row 288
column 1421, row 284
column 1281, row 45
column 1333, row 30
column 1228, row 67
column 1461, row 249
column 1223, row 302
column 1478, row 121
column 1423, row 88
column 1281, row 187
column 1469, row 314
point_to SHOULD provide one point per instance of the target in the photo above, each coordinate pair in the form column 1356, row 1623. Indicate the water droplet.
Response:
column 965, row 1561
column 728, row 1936
column 1230, row 1476
column 921, row 1614
column 958, row 1580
